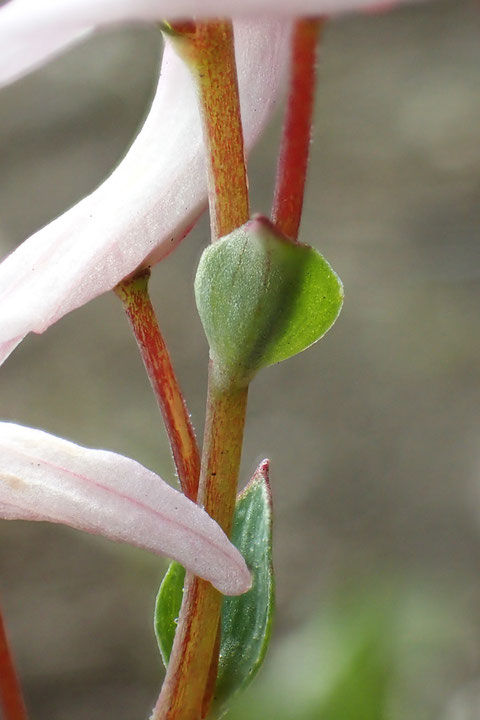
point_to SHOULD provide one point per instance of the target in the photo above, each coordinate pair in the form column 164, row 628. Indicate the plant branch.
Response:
column 136, row 302
column 11, row 698
column 294, row 151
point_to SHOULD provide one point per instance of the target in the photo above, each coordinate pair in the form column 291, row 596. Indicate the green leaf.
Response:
column 167, row 608
column 246, row 619
column 263, row 298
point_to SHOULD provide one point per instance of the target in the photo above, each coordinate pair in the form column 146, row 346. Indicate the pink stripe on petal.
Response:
column 45, row 478
column 143, row 210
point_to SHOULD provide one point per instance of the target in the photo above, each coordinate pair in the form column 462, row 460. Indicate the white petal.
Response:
column 32, row 31
column 43, row 477
column 139, row 214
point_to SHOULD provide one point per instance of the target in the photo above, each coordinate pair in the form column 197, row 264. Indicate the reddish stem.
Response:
column 294, row 151
column 209, row 53
column 11, row 698
column 141, row 315
column 192, row 669
column 187, row 690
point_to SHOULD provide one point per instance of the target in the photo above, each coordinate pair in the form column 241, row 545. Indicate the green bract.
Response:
column 246, row 619
column 167, row 608
column 263, row 298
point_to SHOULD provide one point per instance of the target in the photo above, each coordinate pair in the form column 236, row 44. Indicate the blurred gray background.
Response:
column 372, row 434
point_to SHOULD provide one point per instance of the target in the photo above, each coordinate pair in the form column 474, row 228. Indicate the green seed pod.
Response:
column 263, row 298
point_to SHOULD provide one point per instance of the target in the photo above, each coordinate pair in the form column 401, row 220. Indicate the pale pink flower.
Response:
column 139, row 214
column 134, row 219
column 151, row 200
column 32, row 31
column 43, row 477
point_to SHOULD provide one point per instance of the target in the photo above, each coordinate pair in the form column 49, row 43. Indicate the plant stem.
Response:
column 226, row 409
column 188, row 686
column 294, row 151
column 136, row 302
column 184, row 691
column 209, row 53
column 11, row 698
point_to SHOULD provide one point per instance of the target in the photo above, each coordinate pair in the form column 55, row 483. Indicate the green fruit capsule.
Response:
column 263, row 298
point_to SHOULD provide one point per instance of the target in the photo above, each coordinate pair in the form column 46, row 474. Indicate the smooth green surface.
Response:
column 263, row 299
column 246, row 619
column 167, row 608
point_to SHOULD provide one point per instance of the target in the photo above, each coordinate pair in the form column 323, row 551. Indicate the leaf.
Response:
column 167, row 609
column 263, row 298
column 247, row 619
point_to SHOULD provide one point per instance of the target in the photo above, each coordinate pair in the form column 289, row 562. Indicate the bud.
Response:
column 263, row 298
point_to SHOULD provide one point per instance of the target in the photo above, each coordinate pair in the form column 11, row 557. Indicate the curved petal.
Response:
column 33, row 31
column 43, row 477
column 139, row 214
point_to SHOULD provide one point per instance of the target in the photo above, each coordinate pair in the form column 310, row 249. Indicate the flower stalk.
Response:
column 11, row 699
column 137, row 304
column 297, row 128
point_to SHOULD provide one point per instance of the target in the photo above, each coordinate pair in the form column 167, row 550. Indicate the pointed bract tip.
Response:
column 263, row 470
column 261, row 476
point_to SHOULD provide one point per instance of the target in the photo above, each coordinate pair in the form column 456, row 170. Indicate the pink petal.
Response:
column 32, row 31
column 43, row 477
column 139, row 214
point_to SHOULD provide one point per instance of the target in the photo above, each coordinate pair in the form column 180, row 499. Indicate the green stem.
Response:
column 189, row 683
column 136, row 302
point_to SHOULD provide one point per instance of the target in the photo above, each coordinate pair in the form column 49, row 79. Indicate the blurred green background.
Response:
column 372, row 434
